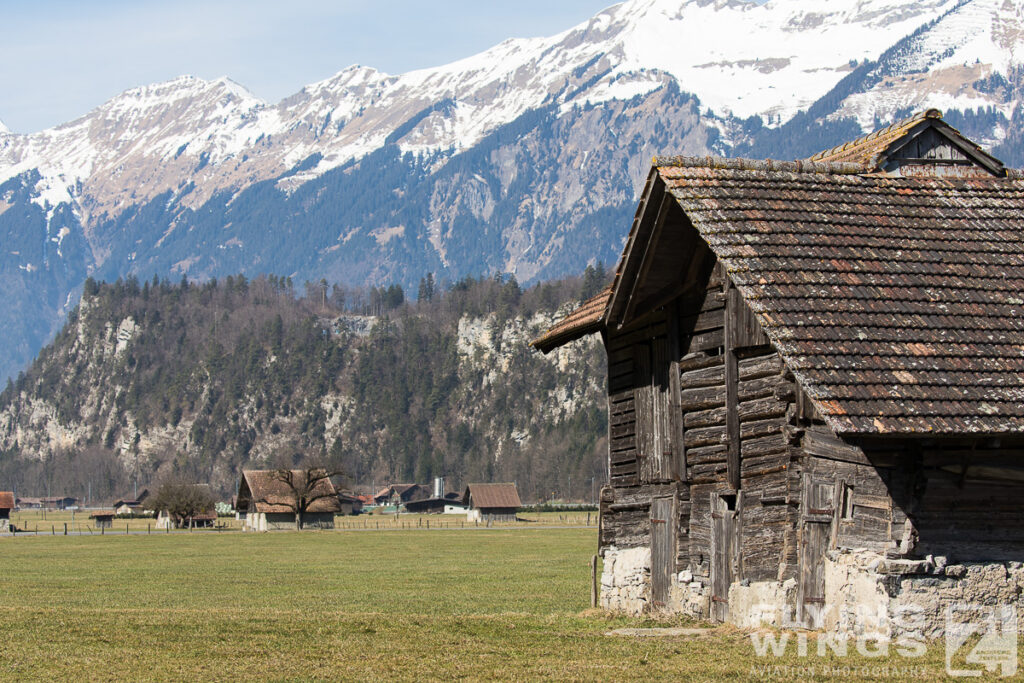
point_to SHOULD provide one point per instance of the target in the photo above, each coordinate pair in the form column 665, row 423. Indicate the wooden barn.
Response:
column 103, row 519
column 266, row 502
column 491, row 502
column 349, row 504
column 6, row 505
column 815, row 388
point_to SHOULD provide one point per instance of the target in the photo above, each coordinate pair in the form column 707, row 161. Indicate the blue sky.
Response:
column 61, row 58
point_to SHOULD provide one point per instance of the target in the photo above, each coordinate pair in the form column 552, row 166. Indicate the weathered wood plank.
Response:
column 706, row 436
column 760, row 409
column 705, row 418
column 698, row 361
column 701, row 399
column 710, row 376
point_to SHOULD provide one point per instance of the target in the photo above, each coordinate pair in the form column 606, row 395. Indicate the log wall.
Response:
column 701, row 405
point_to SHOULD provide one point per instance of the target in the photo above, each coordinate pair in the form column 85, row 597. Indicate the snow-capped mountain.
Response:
column 738, row 58
column 507, row 161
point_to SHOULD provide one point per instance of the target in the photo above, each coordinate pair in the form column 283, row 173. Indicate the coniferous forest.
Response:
column 160, row 379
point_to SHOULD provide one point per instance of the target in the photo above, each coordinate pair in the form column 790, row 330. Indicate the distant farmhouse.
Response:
column 400, row 494
column 349, row 504
column 815, row 370
column 265, row 502
column 46, row 502
column 491, row 502
column 439, row 503
column 131, row 506
column 6, row 505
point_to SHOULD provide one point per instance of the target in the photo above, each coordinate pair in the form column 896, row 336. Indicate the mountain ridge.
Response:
column 505, row 161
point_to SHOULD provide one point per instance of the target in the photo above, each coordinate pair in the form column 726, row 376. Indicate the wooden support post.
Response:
column 148, row 529
column 126, row 528
column 675, row 399
column 65, row 528
column 593, row 581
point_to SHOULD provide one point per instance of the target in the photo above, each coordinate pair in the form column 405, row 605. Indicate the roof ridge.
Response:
column 741, row 164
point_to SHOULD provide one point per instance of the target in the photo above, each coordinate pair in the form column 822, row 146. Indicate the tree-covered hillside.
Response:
column 158, row 379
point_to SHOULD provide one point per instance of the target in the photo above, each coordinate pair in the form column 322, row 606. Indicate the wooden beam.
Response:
column 675, row 397
column 649, row 250
column 732, row 377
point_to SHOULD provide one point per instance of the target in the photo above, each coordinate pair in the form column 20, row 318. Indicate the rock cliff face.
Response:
column 524, row 159
column 203, row 381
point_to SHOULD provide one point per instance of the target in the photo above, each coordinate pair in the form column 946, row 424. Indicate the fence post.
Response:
column 53, row 530
column 65, row 528
column 148, row 530
column 126, row 528
column 593, row 581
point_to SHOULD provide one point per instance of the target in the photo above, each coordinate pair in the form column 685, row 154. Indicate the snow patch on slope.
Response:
column 971, row 42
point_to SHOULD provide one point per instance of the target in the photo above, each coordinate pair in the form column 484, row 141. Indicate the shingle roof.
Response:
column 271, row 494
column 6, row 500
column 492, row 496
column 898, row 303
column 584, row 320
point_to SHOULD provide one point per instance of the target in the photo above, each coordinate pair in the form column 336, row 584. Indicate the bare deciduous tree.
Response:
column 305, row 487
column 182, row 500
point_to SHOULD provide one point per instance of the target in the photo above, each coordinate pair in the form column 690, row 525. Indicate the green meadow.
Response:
column 474, row 604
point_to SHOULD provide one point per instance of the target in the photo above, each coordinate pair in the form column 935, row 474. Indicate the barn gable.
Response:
column 923, row 144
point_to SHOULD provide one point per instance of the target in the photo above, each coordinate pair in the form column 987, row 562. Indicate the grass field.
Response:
column 476, row 604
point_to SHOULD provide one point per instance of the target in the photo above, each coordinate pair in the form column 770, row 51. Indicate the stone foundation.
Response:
column 626, row 580
column 865, row 593
column 690, row 597
column 761, row 603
